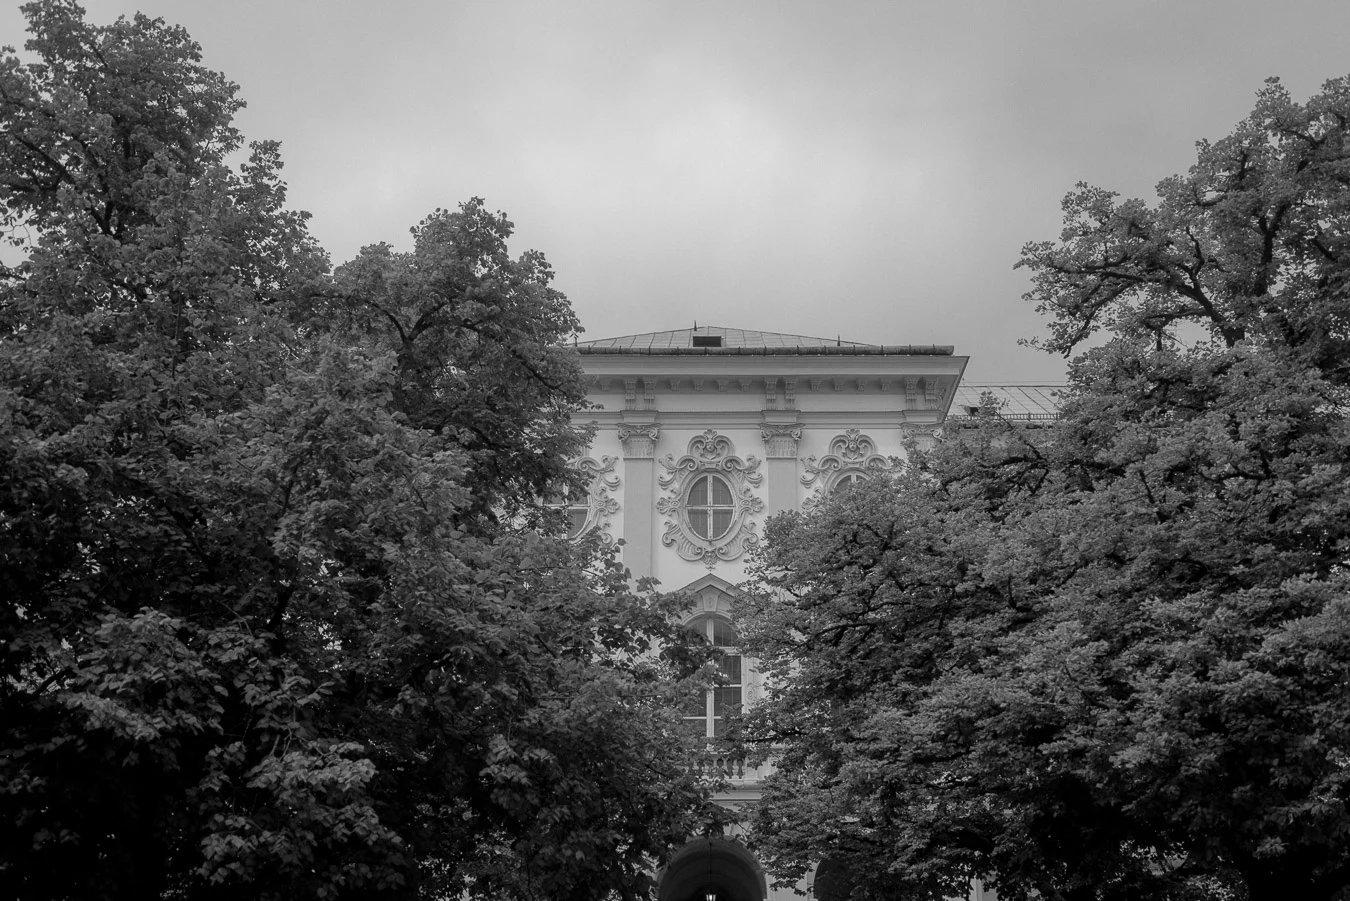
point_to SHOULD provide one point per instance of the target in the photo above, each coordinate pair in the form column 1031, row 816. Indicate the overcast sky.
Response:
column 864, row 169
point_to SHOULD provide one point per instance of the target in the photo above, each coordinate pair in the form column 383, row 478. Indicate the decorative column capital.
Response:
column 923, row 435
column 780, row 441
column 639, row 440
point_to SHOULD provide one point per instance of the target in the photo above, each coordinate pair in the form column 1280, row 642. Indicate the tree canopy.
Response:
column 282, row 615
column 1109, row 658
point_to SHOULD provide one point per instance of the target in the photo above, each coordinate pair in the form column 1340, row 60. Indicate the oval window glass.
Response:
column 709, row 507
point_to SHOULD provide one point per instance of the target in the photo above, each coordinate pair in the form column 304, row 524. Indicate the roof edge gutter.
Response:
column 880, row 350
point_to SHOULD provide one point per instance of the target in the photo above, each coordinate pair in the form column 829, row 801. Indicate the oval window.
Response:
column 709, row 507
column 576, row 504
column 847, row 480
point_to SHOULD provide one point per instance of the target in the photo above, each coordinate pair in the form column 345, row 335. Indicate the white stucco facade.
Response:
column 701, row 436
column 780, row 420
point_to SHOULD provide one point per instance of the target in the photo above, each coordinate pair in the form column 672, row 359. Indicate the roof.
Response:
column 744, row 341
column 1015, row 401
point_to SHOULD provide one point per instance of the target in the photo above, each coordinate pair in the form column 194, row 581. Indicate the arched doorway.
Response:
column 711, row 865
column 833, row 881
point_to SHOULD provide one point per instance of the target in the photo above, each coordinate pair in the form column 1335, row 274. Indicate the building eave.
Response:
column 843, row 350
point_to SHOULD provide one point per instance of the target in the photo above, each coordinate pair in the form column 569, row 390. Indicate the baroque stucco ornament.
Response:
column 852, row 455
column 601, row 480
column 709, row 454
column 780, row 441
column 639, row 440
column 922, row 433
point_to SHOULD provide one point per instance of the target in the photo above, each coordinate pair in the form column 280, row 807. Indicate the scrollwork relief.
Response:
column 709, row 500
column 601, row 484
column 921, row 432
column 780, row 441
column 639, row 440
column 852, row 456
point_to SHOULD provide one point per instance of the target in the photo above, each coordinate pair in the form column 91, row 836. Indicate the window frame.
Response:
column 848, row 478
column 710, row 508
column 591, row 501
column 716, row 710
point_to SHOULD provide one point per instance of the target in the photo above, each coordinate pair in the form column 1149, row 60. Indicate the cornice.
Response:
column 618, row 365
column 905, row 387
column 820, row 350
column 698, row 420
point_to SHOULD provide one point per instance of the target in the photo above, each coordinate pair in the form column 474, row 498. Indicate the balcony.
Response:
column 733, row 767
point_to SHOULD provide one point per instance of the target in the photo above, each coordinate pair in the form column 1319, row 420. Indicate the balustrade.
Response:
column 734, row 767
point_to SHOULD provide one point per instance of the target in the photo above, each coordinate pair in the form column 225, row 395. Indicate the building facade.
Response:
column 701, row 435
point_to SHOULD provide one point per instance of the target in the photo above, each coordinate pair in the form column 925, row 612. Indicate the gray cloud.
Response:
column 864, row 169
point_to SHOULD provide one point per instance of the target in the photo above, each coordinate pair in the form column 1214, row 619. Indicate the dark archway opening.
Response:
column 716, row 866
column 833, row 881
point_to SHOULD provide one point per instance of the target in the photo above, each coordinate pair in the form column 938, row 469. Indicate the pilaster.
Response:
column 639, row 452
column 781, row 432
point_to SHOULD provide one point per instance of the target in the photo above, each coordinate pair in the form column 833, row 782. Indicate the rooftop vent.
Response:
column 707, row 340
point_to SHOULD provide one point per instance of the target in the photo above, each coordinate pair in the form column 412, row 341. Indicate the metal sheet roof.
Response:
column 746, row 341
column 1015, row 401
column 731, row 337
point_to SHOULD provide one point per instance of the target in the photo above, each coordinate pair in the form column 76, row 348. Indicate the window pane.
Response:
column 698, row 521
column 723, row 636
column 700, row 626
column 697, row 728
column 730, row 665
column 721, row 522
column 725, row 700
column 721, row 491
column 698, row 495
column 576, row 520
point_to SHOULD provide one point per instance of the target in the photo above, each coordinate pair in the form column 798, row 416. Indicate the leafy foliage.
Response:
column 476, row 339
column 1109, row 658
column 1249, row 246
column 280, row 614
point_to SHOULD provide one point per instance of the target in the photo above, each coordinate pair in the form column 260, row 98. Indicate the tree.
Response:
column 1110, row 658
column 478, row 342
column 281, row 614
column 1249, row 247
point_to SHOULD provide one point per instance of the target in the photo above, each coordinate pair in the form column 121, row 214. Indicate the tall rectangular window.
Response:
column 707, row 716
